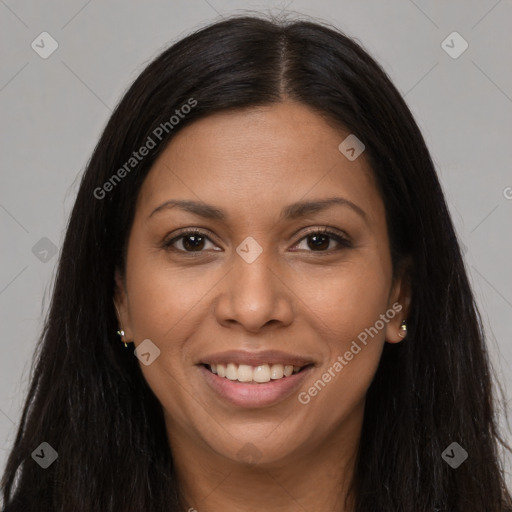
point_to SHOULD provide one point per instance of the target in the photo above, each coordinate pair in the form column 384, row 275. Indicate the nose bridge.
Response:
column 255, row 294
column 253, row 279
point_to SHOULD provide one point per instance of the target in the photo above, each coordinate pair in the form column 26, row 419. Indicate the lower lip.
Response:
column 255, row 395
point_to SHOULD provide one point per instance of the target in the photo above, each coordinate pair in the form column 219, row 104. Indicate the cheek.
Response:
column 337, row 394
column 348, row 323
column 347, row 308
column 166, row 306
column 164, row 298
column 348, row 298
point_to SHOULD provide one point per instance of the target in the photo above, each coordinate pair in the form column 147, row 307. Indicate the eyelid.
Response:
column 343, row 240
column 168, row 242
column 326, row 230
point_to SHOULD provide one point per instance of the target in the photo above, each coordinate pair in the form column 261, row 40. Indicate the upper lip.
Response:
column 256, row 358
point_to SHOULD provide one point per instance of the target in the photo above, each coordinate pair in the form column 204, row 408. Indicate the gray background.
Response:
column 52, row 112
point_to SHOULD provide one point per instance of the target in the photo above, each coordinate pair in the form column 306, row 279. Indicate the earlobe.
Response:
column 396, row 329
column 121, row 307
column 403, row 329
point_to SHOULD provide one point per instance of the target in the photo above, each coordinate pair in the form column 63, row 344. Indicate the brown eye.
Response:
column 191, row 241
column 320, row 241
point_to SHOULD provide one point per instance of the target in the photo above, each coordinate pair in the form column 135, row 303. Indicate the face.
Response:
column 243, row 274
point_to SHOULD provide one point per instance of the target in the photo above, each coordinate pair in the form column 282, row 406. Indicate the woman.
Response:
column 261, row 220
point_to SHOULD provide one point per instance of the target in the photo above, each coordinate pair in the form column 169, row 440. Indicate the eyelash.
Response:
column 168, row 244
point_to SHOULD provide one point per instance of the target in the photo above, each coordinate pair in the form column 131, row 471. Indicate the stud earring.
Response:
column 121, row 333
column 403, row 329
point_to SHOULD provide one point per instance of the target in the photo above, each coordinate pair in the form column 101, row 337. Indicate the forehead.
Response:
column 253, row 160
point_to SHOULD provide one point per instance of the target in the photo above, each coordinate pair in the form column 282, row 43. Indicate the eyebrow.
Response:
column 292, row 211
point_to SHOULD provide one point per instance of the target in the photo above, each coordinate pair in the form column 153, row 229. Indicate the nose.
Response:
column 255, row 296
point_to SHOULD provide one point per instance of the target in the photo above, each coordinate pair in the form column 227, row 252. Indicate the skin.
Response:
column 293, row 297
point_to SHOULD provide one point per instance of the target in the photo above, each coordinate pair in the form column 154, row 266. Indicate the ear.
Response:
column 400, row 302
column 122, row 307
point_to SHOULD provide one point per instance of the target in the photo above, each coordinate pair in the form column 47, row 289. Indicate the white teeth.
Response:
column 277, row 371
column 244, row 373
column 260, row 374
column 231, row 371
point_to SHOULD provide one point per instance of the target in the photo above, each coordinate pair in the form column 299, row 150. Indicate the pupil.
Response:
column 321, row 244
column 195, row 245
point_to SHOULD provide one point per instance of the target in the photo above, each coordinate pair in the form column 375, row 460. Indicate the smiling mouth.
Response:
column 260, row 374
